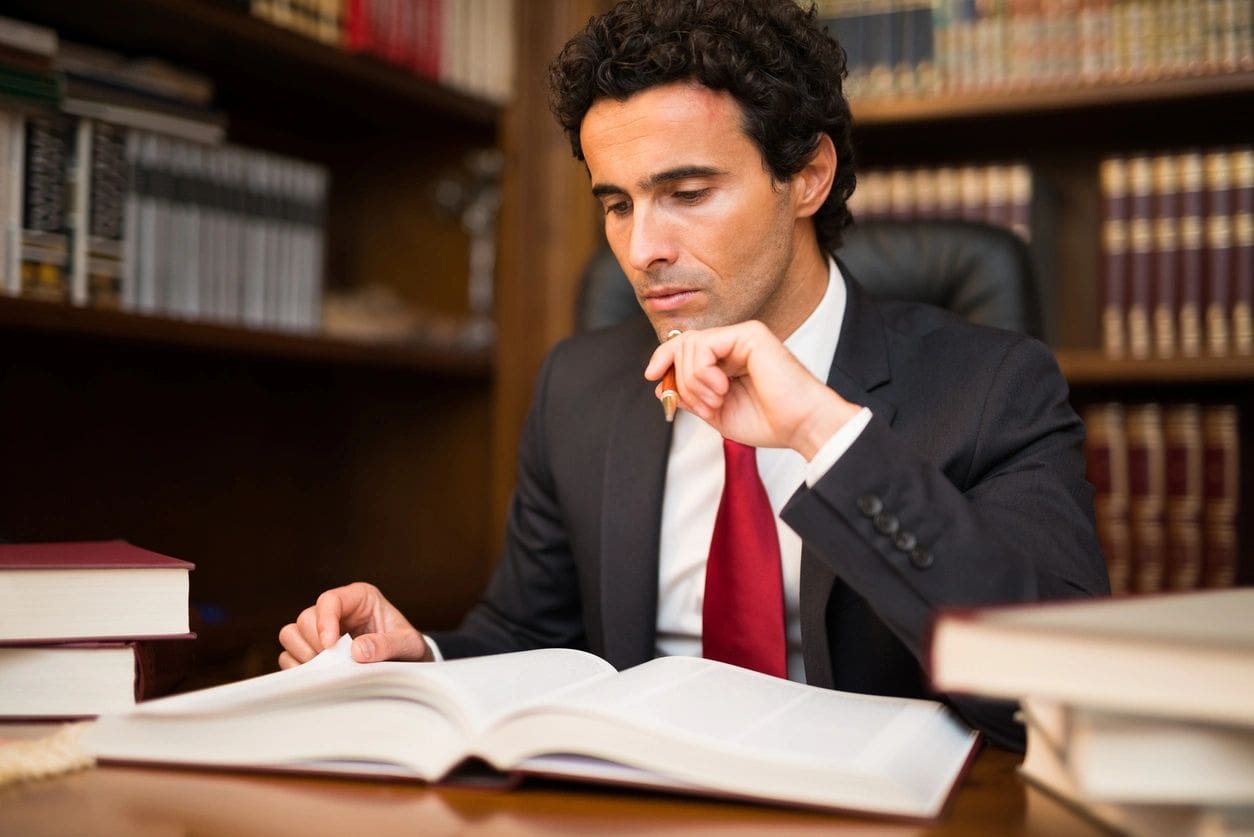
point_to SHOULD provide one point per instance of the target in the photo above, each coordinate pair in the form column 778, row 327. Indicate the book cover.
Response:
column 1242, row 165
column 1183, row 438
column 1218, row 252
column 1221, row 493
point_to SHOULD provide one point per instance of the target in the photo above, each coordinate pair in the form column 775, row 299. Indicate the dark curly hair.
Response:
column 772, row 56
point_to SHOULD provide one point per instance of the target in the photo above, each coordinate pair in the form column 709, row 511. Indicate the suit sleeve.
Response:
column 1018, row 526
column 532, row 600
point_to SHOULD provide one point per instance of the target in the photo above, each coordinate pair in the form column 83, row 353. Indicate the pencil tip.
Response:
column 669, row 405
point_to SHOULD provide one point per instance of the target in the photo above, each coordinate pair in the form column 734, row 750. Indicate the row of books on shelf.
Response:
column 89, row 627
column 119, row 194
column 996, row 194
column 1178, row 253
column 905, row 48
column 464, row 44
column 1137, row 710
column 1167, row 481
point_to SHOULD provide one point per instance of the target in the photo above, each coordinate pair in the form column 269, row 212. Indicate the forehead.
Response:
column 682, row 122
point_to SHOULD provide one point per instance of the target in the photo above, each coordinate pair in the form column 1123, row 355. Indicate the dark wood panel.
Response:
column 277, row 479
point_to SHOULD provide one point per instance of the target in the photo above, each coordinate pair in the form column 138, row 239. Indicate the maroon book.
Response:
column 83, row 679
column 1221, row 482
column 1183, row 438
column 1166, row 250
column 1140, row 255
column 1243, row 250
column 1218, row 252
column 90, row 590
column 1114, row 284
column 1192, row 243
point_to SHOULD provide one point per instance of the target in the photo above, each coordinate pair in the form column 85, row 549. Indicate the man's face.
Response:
column 705, row 235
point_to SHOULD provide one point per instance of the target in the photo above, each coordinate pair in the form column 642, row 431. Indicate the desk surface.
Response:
column 133, row 801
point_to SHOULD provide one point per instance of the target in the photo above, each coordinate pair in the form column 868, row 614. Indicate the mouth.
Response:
column 668, row 299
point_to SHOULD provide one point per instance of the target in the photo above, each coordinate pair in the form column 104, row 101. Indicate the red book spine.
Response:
column 1221, row 487
column 357, row 26
column 1114, row 185
column 1192, row 252
column 1183, row 438
column 1106, row 466
column 1146, row 496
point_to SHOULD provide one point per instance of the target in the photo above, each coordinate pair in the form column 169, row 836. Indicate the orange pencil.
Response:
column 670, row 394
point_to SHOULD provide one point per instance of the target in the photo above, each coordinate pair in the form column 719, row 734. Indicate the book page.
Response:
column 472, row 692
column 722, row 727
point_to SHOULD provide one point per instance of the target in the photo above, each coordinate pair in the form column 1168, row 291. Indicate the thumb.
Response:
column 406, row 644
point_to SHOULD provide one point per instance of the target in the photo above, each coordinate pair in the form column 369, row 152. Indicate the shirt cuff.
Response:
column 834, row 448
column 434, row 648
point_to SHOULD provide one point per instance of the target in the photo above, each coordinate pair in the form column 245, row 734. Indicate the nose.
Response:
column 651, row 244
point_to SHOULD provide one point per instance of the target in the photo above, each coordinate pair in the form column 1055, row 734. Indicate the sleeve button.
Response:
column 921, row 558
column 905, row 541
column 870, row 505
column 886, row 523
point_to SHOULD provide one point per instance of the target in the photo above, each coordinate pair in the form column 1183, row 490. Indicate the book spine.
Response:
column 1191, row 239
column 12, row 164
column 1106, row 467
column 1146, row 493
column 1166, row 254
column 1243, row 250
column 1218, row 252
column 1183, row 438
column 1114, row 188
column 45, row 242
column 1140, row 255
column 106, row 215
column 1221, row 487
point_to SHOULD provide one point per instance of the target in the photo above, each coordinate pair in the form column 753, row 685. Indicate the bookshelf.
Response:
column 281, row 463
column 1062, row 132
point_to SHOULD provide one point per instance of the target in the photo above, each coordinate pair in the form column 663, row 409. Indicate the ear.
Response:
column 812, row 184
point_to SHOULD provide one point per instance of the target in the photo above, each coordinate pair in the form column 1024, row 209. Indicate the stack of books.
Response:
column 1139, row 711
column 88, row 628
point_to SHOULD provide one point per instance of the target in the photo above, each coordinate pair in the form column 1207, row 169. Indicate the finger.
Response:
column 327, row 617
column 307, row 624
column 393, row 645
column 286, row 661
column 294, row 644
column 663, row 358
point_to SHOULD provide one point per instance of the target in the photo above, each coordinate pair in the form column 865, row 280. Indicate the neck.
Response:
column 801, row 293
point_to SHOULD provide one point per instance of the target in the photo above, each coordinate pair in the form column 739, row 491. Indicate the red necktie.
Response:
column 743, row 612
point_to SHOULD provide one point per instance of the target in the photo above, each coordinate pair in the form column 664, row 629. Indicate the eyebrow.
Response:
column 655, row 180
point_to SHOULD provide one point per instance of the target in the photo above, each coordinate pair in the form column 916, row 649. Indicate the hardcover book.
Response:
column 682, row 724
column 90, row 590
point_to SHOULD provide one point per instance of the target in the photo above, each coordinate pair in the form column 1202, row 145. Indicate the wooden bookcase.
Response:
column 1062, row 134
column 280, row 464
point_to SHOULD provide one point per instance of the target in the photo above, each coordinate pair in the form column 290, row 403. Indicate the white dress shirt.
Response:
column 694, row 484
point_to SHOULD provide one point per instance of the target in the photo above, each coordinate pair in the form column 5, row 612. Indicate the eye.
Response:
column 618, row 208
column 691, row 195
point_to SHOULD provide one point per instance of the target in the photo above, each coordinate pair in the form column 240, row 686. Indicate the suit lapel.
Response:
column 861, row 365
column 631, row 522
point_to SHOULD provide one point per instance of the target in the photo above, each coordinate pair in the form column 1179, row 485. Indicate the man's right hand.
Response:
column 379, row 630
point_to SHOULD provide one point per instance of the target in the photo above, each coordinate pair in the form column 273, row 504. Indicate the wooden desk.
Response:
column 130, row 801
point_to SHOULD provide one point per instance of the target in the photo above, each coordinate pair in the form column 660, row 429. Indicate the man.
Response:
column 910, row 461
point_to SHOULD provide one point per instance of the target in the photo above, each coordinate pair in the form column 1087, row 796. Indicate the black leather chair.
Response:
column 980, row 272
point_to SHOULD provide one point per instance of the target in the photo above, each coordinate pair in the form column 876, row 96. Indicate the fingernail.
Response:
column 365, row 649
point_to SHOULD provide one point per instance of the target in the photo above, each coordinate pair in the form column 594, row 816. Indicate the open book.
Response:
column 678, row 723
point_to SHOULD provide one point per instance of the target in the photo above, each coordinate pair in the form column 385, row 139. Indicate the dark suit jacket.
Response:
column 973, row 454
